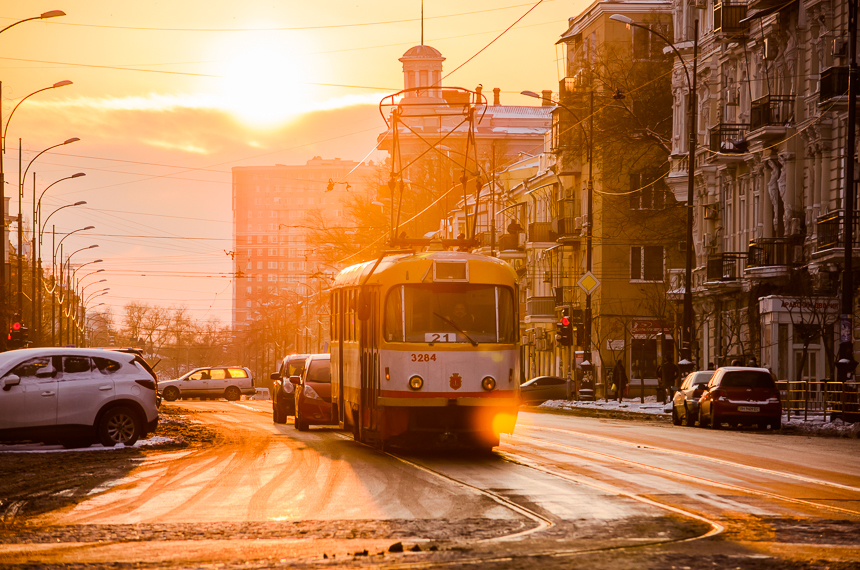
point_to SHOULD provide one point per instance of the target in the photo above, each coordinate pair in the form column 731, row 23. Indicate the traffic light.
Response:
column 565, row 332
column 16, row 335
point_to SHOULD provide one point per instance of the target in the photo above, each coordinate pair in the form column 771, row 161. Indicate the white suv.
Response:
column 76, row 396
column 230, row 382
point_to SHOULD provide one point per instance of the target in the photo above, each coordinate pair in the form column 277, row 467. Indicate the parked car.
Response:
column 313, row 393
column 231, row 382
column 543, row 388
column 741, row 396
column 284, row 391
column 76, row 396
column 685, row 400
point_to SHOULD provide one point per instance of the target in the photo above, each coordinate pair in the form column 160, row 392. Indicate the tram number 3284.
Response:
column 423, row 357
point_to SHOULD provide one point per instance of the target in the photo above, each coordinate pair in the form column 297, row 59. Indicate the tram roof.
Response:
column 498, row 271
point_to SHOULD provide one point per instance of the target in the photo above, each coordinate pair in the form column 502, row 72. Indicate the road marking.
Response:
column 704, row 457
column 693, row 477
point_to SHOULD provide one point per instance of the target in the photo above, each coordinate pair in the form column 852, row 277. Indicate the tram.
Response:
column 424, row 350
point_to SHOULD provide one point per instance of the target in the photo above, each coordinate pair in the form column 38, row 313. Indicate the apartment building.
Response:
column 273, row 209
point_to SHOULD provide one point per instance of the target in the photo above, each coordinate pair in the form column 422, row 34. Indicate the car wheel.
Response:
column 232, row 393
column 702, row 420
column 301, row 425
column 689, row 419
column 76, row 442
column 170, row 394
column 279, row 415
column 714, row 422
column 776, row 423
column 676, row 419
column 119, row 425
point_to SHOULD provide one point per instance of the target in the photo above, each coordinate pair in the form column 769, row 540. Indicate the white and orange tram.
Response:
column 425, row 351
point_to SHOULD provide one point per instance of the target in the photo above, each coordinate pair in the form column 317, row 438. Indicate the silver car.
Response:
column 230, row 382
column 685, row 400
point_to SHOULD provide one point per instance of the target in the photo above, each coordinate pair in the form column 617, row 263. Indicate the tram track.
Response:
column 544, row 523
column 773, row 472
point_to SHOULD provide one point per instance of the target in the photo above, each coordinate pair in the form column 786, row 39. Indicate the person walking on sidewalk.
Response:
column 619, row 379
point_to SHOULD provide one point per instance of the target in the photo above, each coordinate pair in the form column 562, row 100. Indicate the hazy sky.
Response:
column 168, row 96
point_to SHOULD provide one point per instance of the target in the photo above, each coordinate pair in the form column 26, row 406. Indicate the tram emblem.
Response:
column 456, row 381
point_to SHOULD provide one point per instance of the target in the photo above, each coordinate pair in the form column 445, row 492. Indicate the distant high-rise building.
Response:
column 271, row 207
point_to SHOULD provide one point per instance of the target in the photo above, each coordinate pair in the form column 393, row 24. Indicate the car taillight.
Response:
column 147, row 383
column 718, row 394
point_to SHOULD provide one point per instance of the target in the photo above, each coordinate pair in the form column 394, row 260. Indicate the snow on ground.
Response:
column 43, row 448
column 816, row 426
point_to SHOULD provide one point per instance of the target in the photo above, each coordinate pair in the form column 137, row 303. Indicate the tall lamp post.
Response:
column 53, row 261
column 587, row 365
column 36, row 297
column 686, row 362
column 44, row 15
column 21, row 212
column 68, row 264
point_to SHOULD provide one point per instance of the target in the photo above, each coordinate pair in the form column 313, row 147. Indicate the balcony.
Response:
column 831, row 236
column 541, row 232
column 569, row 224
column 540, row 309
column 772, row 257
column 726, row 267
column 833, row 84
column 728, row 16
column 727, row 141
column 770, row 117
column 566, row 296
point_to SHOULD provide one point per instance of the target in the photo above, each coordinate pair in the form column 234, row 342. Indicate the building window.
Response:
column 646, row 263
column 259, row 265
column 645, row 193
column 647, row 46
column 248, row 290
column 273, row 265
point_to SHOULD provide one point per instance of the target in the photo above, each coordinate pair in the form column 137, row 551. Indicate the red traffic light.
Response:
column 565, row 321
column 16, row 326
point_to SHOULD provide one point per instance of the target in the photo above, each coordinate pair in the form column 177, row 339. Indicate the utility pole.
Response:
column 846, row 363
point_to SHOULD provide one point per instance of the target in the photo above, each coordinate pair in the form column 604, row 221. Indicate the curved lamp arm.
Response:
column 62, row 83
column 42, row 16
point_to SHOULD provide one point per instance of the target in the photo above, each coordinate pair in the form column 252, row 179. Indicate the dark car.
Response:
column 685, row 400
column 543, row 388
column 313, row 393
column 741, row 396
column 283, row 391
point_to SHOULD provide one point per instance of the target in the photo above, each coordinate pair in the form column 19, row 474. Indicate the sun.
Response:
column 261, row 79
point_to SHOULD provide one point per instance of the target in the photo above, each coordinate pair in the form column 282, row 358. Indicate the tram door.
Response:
column 370, row 333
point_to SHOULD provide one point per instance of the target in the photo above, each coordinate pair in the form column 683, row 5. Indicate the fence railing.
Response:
column 819, row 398
column 771, row 110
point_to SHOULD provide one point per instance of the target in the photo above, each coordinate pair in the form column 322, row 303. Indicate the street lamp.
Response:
column 686, row 362
column 42, row 16
column 36, row 281
column 21, row 214
column 586, row 365
column 51, row 14
column 68, row 264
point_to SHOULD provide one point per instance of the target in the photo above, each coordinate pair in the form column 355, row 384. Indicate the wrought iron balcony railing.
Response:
column 728, row 266
column 771, row 252
column 831, row 233
column 728, row 138
column 834, row 83
column 771, row 110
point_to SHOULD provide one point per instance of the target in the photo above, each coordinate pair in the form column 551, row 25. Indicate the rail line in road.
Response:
column 669, row 450
column 680, row 474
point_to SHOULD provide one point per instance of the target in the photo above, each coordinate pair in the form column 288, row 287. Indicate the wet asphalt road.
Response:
column 563, row 491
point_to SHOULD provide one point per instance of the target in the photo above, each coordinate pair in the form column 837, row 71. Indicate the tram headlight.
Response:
column 488, row 383
column 416, row 382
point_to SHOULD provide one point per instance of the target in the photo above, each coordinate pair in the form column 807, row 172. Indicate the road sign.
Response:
column 323, row 310
column 588, row 283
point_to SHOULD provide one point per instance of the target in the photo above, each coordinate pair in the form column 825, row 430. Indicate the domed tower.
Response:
column 422, row 67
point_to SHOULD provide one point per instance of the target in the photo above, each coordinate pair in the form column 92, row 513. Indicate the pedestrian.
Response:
column 753, row 363
column 619, row 379
column 737, row 362
column 710, row 366
column 667, row 375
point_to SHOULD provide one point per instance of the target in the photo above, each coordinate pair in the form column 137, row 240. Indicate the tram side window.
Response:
column 394, row 316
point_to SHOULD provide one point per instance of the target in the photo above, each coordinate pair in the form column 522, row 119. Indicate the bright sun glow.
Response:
column 261, row 79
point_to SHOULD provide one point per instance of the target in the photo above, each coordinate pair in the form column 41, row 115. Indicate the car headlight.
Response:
column 488, row 383
column 416, row 382
column 309, row 392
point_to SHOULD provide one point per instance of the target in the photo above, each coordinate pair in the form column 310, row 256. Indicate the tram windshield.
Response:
column 460, row 312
